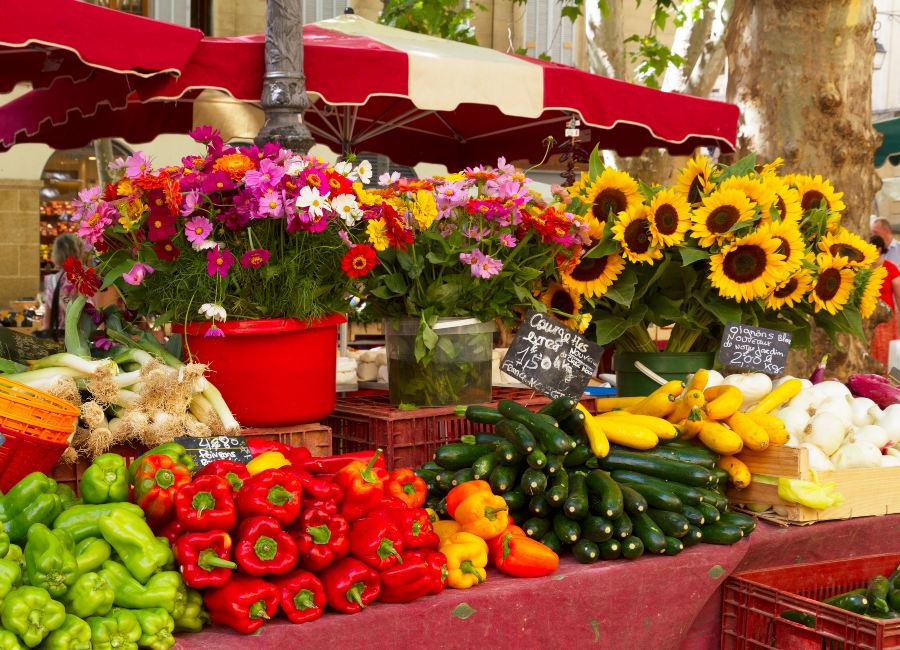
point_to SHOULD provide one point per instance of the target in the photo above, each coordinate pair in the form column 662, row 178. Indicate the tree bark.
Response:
column 606, row 40
column 801, row 71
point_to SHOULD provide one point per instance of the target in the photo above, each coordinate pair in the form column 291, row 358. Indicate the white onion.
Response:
column 827, row 389
column 826, row 432
column 871, row 434
column 803, row 400
column 890, row 461
column 890, row 422
column 864, row 411
column 857, row 455
column 795, row 421
column 817, row 458
column 839, row 407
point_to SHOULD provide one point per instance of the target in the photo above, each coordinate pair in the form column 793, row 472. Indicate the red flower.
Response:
column 160, row 226
column 85, row 280
column 255, row 258
column 359, row 260
column 338, row 184
column 110, row 192
column 166, row 250
column 172, row 194
column 398, row 233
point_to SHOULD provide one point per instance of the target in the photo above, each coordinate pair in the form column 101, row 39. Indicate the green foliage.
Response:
column 449, row 19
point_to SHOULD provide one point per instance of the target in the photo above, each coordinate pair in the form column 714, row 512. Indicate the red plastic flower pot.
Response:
column 272, row 373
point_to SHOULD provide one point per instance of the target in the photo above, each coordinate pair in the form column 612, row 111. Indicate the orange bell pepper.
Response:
column 463, row 491
column 523, row 557
column 483, row 514
column 406, row 486
column 496, row 543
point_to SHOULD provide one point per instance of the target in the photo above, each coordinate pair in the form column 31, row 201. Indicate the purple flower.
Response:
column 191, row 199
column 268, row 175
column 218, row 261
column 508, row 240
column 233, row 220
column 270, row 203
column 217, row 181
column 197, row 229
column 86, row 203
column 137, row 164
column 214, row 332
column 101, row 342
column 97, row 315
column 255, row 258
column 91, row 227
column 137, row 273
column 483, row 266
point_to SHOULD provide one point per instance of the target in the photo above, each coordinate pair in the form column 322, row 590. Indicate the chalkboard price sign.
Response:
column 551, row 358
column 754, row 348
column 206, row 450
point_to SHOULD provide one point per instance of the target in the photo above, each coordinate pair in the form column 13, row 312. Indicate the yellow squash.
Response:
column 786, row 391
column 719, row 438
column 622, row 432
column 737, row 471
column 595, row 434
column 773, row 425
column 754, row 436
column 606, row 404
column 698, row 381
column 662, row 428
column 685, row 403
column 722, row 401
column 661, row 402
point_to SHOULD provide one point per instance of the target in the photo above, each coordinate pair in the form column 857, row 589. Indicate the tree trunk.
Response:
column 801, row 71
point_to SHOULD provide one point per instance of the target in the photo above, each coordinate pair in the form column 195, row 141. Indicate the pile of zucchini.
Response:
column 657, row 501
column 881, row 599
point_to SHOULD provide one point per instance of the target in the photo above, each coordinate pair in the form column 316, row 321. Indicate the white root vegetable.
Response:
column 839, row 407
column 864, row 411
column 871, row 434
column 826, row 432
column 803, row 400
column 826, row 389
column 817, row 458
column 857, row 455
column 890, row 461
column 795, row 420
column 753, row 386
column 890, row 422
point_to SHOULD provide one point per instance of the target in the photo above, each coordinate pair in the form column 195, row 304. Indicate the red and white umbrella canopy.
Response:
column 412, row 97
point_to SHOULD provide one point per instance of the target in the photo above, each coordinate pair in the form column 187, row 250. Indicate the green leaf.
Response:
column 724, row 310
column 396, row 282
column 689, row 255
column 608, row 328
column 741, row 168
column 437, row 259
column 116, row 272
column 664, row 308
column 603, row 248
column 622, row 291
column 404, row 259
column 595, row 163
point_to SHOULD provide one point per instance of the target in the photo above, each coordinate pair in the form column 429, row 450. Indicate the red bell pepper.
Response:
column 204, row 558
column 242, row 603
column 321, row 539
column 172, row 531
column 333, row 464
column 317, row 487
column 414, row 525
column 389, row 503
column 406, row 486
column 376, row 541
column 156, row 481
column 272, row 493
column 420, row 574
column 293, row 454
column 234, row 472
column 264, row 548
column 302, row 596
column 350, row 585
column 363, row 487
column 206, row 504
column 328, row 505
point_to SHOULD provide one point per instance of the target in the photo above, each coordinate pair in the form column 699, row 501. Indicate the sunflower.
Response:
column 790, row 292
column 612, row 192
column 756, row 190
column 871, row 290
column 787, row 200
column 633, row 232
column 832, row 285
column 670, row 218
column 694, row 179
column 843, row 243
column 771, row 169
column 577, row 190
column 563, row 300
column 719, row 213
column 814, row 190
column 592, row 276
column 790, row 242
column 747, row 268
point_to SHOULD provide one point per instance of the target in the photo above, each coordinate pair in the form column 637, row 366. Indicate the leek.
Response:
column 45, row 375
column 75, row 343
column 67, row 360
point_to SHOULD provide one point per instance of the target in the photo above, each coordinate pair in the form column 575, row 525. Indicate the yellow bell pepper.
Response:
column 483, row 514
column 445, row 528
column 267, row 460
column 467, row 555
column 809, row 494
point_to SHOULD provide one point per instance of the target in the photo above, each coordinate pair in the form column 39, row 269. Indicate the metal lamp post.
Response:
column 284, row 95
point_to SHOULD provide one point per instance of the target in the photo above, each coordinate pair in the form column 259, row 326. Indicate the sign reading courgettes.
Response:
column 206, row 450
column 754, row 348
column 551, row 358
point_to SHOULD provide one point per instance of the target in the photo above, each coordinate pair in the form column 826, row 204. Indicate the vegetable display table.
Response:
column 651, row 602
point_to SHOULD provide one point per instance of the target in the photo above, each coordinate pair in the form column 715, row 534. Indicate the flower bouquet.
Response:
column 724, row 244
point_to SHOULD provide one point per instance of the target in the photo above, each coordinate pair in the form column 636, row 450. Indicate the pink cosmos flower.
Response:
column 255, row 258
column 137, row 164
column 270, row 203
column 86, row 203
column 117, row 165
column 91, row 227
column 451, row 195
column 268, row 175
column 203, row 133
column 508, row 240
column 137, row 273
column 475, row 232
column 484, row 266
column 197, row 229
column 214, row 332
column 218, row 261
column 345, row 237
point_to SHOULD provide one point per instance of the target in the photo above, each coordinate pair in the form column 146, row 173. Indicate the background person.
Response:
column 881, row 227
column 57, row 289
column 890, row 293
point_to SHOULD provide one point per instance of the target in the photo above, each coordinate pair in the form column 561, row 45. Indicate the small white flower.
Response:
column 343, row 168
column 364, row 172
column 204, row 245
column 295, row 165
column 213, row 312
column 386, row 179
column 347, row 208
column 310, row 200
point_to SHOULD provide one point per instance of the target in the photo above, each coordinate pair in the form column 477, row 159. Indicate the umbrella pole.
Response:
column 284, row 95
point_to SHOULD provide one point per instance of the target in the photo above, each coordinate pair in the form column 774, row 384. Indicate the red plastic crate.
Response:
column 409, row 438
column 753, row 601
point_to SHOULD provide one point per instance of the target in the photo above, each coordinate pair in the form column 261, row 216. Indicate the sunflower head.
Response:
column 755, row 189
column 816, row 191
column 869, row 284
column 564, row 301
column 832, row 283
column 748, row 268
column 790, row 242
column 633, row 232
column 670, row 217
column 720, row 212
column 611, row 193
column 694, row 180
column 593, row 276
column 771, row 169
column 786, row 202
column 789, row 292
column 843, row 243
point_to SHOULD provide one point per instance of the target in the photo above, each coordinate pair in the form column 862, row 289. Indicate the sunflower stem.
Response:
column 637, row 339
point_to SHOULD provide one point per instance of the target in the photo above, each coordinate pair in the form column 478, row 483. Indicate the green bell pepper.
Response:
column 171, row 449
column 73, row 634
column 16, row 556
column 139, row 549
column 10, row 577
column 156, row 628
column 91, row 553
column 43, row 510
column 117, row 631
column 32, row 614
column 24, row 493
column 50, row 559
column 9, row 641
column 194, row 616
column 106, row 480
column 66, row 496
column 84, row 521
column 164, row 589
column 91, row 595
column 4, row 543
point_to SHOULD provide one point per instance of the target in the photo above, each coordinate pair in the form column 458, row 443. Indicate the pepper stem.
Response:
column 278, row 495
column 235, row 480
column 265, row 548
column 491, row 513
column 367, row 474
column 354, row 593
column 386, row 549
column 258, row 610
column 467, row 567
column 506, row 548
column 209, row 560
column 409, row 488
column 164, row 478
column 202, row 502
column 320, row 534
column 304, row 599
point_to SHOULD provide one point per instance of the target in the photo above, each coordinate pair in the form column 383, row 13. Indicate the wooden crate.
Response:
column 866, row 492
column 315, row 437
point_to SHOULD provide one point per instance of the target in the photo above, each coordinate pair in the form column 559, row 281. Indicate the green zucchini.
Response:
column 653, row 538
column 721, row 478
column 585, row 551
column 559, row 408
column 612, row 503
column 693, row 455
column 694, row 536
column 432, row 486
column 710, row 514
column 534, row 481
column 576, row 504
column 536, row 527
column 852, row 601
column 894, row 578
column 515, row 500
column 483, row 414
column 673, row 524
column 537, row 459
column 799, row 617
column 693, row 515
column 503, row 478
column 672, row 470
column 555, row 462
column 720, row 533
column 460, row 455
column 558, row 488
column 426, row 474
column 545, row 419
column 674, row 546
column 685, row 493
column 877, row 594
column 550, row 437
column 716, row 499
column 441, row 509
column 634, row 500
column 580, row 455
column 566, row 529
column 657, row 497
column 596, row 529
column 443, row 480
column 552, row 541
column 745, row 522
column 518, row 434
column 539, row 506
column 482, row 468
column 882, row 615
column 611, row 549
column 431, row 466
column 632, row 547
column 488, row 438
column 573, row 424
column 893, row 596
column 622, row 526
column 462, row 476
column 507, row 453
